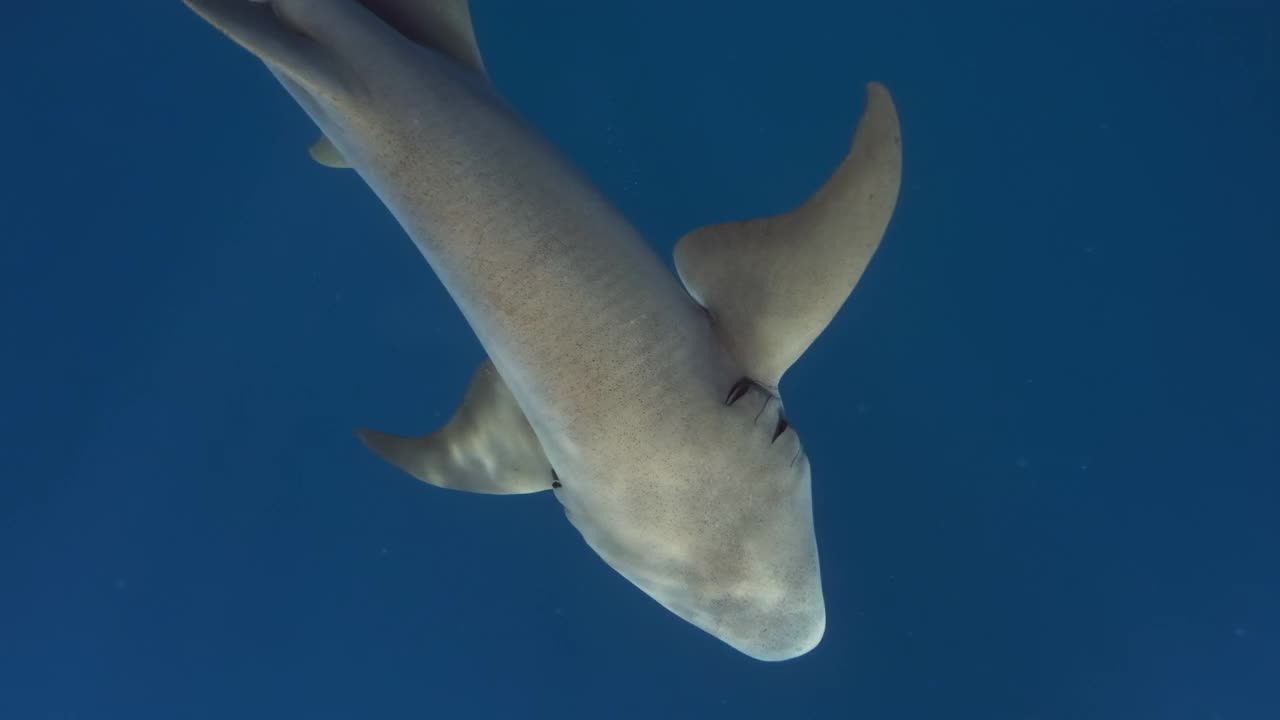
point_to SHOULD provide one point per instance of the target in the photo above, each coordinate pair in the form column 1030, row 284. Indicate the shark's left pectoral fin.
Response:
column 487, row 447
column 773, row 284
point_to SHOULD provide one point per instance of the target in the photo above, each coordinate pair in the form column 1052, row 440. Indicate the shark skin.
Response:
column 647, row 403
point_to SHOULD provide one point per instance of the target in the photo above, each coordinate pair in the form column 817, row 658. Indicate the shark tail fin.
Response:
column 487, row 446
column 773, row 284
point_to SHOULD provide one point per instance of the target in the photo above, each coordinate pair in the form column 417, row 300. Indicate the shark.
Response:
column 646, row 401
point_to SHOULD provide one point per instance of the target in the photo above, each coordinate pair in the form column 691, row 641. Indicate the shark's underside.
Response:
column 647, row 403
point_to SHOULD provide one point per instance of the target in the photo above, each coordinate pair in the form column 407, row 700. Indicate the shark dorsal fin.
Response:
column 773, row 284
column 487, row 446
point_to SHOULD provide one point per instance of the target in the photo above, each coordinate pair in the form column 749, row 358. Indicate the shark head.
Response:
column 722, row 537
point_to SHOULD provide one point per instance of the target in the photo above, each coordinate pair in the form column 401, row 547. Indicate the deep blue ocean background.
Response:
column 1045, row 430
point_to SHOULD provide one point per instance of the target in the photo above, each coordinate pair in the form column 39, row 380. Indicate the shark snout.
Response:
column 775, row 628
column 777, row 634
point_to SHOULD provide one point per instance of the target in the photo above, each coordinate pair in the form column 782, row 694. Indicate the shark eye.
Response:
column 780, row 428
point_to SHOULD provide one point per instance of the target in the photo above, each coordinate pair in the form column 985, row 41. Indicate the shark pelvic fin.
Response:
column 324, row 153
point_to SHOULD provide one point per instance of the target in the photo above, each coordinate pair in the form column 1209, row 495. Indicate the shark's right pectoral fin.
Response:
column 772, row 284
column 487, row 446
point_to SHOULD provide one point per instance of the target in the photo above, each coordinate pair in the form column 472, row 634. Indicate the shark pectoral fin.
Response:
column 258, row 27
column 323, row 152
column 772, row 285
column 487, row 446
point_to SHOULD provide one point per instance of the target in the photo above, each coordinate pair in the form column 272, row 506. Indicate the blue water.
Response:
column 1044, row 431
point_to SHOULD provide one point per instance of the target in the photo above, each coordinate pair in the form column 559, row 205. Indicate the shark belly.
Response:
column 618, row 371
column 607, row 377
column 587, row 327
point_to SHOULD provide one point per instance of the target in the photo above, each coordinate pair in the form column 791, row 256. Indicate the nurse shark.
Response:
column 646, row 401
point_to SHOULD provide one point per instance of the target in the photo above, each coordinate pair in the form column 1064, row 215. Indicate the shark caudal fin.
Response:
column 773, row 284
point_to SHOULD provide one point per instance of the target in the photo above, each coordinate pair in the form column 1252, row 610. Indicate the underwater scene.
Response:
column 565, row 359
